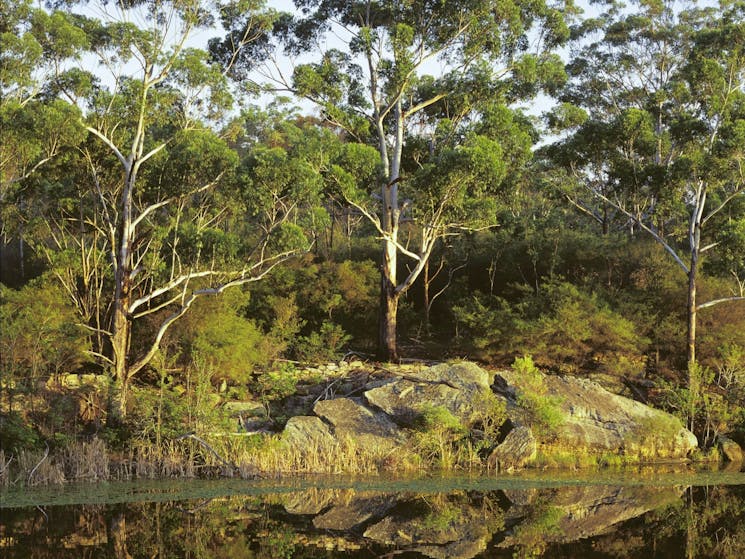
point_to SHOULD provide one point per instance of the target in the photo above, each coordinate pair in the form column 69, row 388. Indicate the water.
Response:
column 642, row 513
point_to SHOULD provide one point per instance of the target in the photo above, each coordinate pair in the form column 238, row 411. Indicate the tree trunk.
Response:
column 120, row 349
column 427, row 302
column 387, row 345
column 691, row 341
column 695, row 243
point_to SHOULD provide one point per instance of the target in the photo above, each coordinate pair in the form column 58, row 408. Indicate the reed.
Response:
column 87, row 460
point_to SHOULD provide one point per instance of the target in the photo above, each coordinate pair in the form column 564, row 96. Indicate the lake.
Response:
column 646, row 512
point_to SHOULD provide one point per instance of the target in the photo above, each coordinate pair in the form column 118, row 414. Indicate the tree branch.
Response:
column 718, row 301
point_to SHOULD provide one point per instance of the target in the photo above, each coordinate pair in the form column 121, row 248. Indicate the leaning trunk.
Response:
column 695, row 243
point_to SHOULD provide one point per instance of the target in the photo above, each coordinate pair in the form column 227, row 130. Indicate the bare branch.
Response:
column 123, row 160
column 189, row 301
column 718, row 301
column 644, row 226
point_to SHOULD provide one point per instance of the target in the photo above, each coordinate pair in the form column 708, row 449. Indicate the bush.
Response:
column 437, row 433
column 564, row 328
column 543, row 411
column 322, row 345
column 16, row 434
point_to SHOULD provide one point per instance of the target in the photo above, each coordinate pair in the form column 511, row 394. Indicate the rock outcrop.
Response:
column 462, row 524
column 518, row 449
column 351, row 418
column 455, row 387
column 592, row 420
column 597, row 421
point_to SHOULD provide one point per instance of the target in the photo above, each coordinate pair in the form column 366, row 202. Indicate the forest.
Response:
column 200, row 199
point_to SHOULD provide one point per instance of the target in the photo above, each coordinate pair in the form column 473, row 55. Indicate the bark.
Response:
column 388, row 345
column 427, row 302
column 691, row 343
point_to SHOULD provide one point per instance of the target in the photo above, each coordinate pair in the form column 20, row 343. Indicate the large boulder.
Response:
column 729, row 449
column 452, row 527
column 455, row 387
column 573, row 513
column 306, row 431
column 355, row 510
column 349, row 418
column 597, row 421
column 585, row 420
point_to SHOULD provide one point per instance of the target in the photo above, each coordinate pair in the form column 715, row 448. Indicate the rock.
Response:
column 575, row 513
column 403, row 399
column 452, row 386
column 350, row 418
column 516, row 451
column 304, row 431
column 310, row 501
column 251, row 409
column 451, row 528
column 464, row 375
column 597, row 421
column 729, row 449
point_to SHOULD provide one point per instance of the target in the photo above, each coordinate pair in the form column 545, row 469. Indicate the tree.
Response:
column 375, row 91
column 138, row 218
column 663, row 95
column 34, row 128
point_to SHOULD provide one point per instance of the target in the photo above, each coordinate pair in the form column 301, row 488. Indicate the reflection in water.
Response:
column 570, row 521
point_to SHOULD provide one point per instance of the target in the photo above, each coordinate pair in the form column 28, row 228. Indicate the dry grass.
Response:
column 273, row 456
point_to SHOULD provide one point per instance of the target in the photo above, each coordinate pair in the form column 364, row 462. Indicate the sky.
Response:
column 285, row 64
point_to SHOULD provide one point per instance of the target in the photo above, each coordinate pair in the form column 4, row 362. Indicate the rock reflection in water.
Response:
column 571, row 521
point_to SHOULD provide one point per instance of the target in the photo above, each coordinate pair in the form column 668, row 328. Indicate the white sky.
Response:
column 200, row 39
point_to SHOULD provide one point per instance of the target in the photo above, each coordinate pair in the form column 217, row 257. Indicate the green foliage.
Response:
column 532, row 532
column 566, row 330
column 15, row 433
column 489, row 413
column 315, row 308
column 276, row 383
column 543, row 411
column 437, row 434
column 217, row 334
column 40, row 335
column 322, row 345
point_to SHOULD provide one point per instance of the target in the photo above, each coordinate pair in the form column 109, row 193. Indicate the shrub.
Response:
column 437, row 433
column 566, row 330
column 543, row 411
column 15, row 433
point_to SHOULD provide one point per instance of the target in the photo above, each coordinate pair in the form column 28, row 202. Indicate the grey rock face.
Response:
column 596, row 420
column 518, row 449
column 729, row 449
column 304, row 431
column 350, row 418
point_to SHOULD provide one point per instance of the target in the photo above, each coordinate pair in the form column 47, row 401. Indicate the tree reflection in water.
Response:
column 572, row 521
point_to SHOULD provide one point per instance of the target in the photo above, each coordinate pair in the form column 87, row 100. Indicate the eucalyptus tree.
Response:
column 34, row 128
column 656, row 112
column 150, row 213
column 373, row 88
